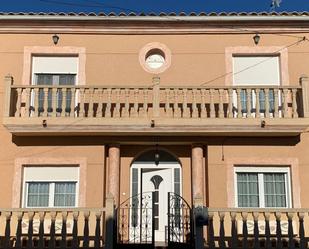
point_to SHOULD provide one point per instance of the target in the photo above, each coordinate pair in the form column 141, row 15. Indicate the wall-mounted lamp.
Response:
column 256, row 39
column 157, row 156
column 55, row 39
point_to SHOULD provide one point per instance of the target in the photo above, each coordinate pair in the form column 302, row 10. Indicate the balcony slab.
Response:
column 66, row 126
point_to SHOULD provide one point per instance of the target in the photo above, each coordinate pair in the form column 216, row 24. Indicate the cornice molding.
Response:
column 149, row 30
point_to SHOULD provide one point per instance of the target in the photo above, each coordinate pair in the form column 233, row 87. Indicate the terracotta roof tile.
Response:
column 112, row 14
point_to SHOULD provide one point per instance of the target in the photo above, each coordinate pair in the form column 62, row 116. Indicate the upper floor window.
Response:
column 256, row 70
column 56, row 71
column 50, row 186
column 263, row 187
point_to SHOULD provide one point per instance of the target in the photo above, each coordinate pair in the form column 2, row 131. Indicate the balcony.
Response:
column 156, row 110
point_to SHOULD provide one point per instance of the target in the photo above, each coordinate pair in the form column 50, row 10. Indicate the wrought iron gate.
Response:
column 180, row 223
column 135, row 222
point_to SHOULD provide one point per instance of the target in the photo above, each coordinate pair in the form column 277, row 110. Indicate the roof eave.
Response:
column 157, row 18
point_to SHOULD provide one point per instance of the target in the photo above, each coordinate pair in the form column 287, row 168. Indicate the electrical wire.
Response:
column 95, row 4
column 254, row 65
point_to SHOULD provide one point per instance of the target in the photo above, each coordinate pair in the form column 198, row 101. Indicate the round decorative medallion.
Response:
column 155, row 57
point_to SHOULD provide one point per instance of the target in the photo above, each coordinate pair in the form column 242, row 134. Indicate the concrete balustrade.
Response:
column 110, row 110
column 257, row 228
column 171, row 102
column 57, row 228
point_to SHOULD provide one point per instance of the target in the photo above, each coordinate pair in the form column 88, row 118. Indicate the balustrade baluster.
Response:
column 211, row 233
column 203, row 104
column 72, row 103
column 291, row 243
column 91, row 101
column 97, row 239
column 18, row 102
column 7, row 233
column 30, row 230
column 54, row 101
column 267, row 231
column 185, row 113
column 276, row 110
column 212, row 104
column 244, row 216
column 267, row 106
column 136, row 102
column 221, row 110
column 167, row 103
column 145, row 104
column 82, row 102
column 36, row 102
column 117, row 107
column 231, row 107
column 75, row 242
column 108, row 111
column 41, row 230
column 278, row 230
column 257, row 104
column 256, row 230
column 234, row 242
column 27, row 103
column 294, row 103
column 63, row 102
column 302, row 239
column 19, row 230
column 239, row 109
column 249, row 91
column 195, row 113
column 86, row 229
column 126, row 110
column 285, row 104
column 99, row 113
column 222, row 232
column 52, row 241
column 45, row 102
column 64, row 230
column 177, row 112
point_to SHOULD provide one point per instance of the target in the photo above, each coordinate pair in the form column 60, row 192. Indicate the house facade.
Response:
column 135, row 121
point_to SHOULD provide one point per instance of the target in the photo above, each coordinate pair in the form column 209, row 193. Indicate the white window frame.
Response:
column 51, row 187
column 260, row 171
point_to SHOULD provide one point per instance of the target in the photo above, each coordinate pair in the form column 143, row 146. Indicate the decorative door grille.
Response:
column 180, row 223
column 135, row 221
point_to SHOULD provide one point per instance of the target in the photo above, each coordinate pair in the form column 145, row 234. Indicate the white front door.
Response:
column 160, row 181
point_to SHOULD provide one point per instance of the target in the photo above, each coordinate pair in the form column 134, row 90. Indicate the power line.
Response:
column 208, row 82
column 175, row 18
column 256, row 64
column 94, row 4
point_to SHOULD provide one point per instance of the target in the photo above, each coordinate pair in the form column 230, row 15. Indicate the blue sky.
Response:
column 148, row 6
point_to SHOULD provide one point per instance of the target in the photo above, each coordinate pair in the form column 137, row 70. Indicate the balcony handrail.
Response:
column 150, row 87
column 154, row 101
column 44, row 209
column 259, row 210
column 231, row 87
column 80, row 87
